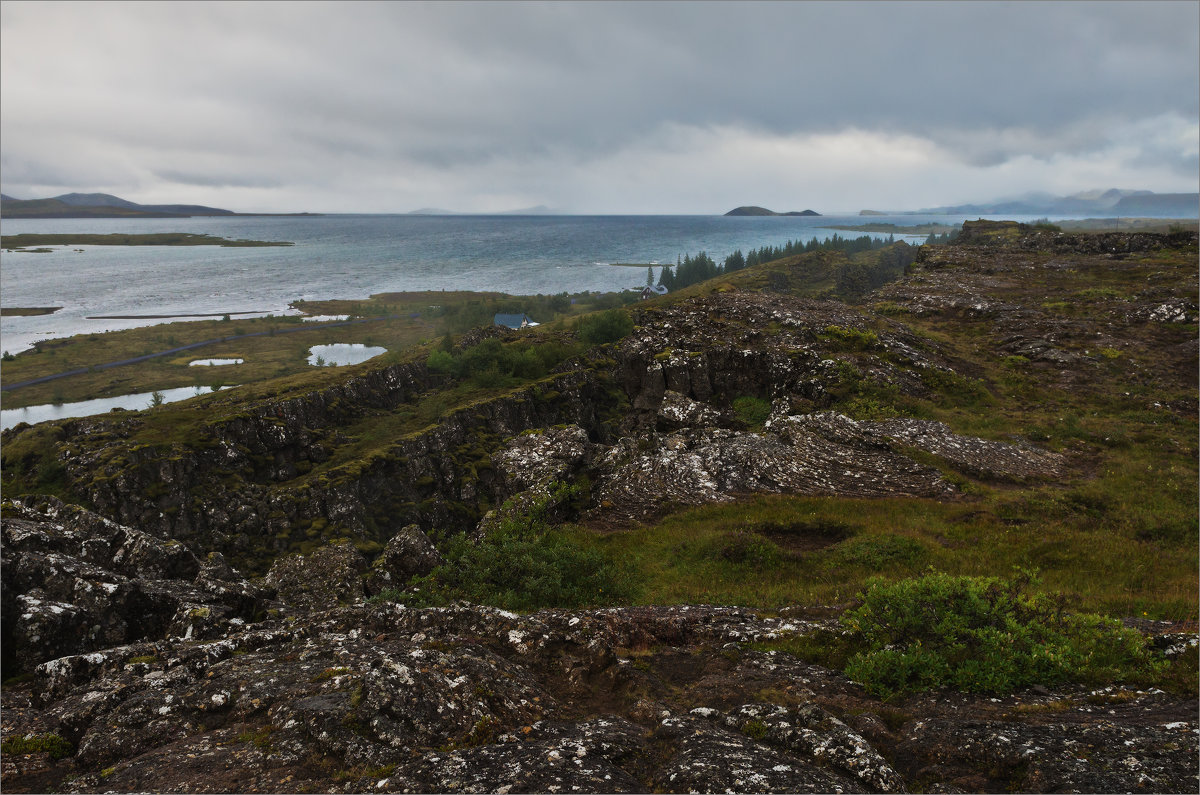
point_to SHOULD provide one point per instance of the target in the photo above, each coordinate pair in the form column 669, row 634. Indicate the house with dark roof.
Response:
column 512, row 321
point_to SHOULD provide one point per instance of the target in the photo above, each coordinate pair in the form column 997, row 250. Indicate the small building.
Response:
column 512, row 321
column 650, row 291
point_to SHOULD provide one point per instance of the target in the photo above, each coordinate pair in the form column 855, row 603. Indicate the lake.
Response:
column 354, row 256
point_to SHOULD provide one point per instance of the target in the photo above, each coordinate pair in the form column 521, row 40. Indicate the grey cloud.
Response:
column 319, row 95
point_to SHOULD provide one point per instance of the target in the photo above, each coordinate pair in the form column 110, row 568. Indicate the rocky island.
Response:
column 649, row 563
column 755, row 210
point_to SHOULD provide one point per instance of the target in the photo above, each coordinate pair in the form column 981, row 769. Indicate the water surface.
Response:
column 87, row 408
column 342, row 353
column 355, row 256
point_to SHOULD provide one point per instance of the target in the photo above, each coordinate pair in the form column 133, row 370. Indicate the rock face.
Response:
column 655, row 418
column 379, row 697
column 75, row 582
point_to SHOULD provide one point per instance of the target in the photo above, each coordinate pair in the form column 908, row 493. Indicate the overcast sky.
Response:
column 596, row 108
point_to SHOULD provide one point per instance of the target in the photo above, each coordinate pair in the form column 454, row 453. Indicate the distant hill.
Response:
column 1160, row 205
column 99, row 205
column 103, row 205
column 1106, row 204
column 754, row 210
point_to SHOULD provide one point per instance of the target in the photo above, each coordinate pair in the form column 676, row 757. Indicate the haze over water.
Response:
column 355, row 256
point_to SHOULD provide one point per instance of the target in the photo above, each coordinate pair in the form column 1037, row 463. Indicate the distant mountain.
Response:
column 755, row 210
column 1104, row 204
column 96, row 200
column 99, row 205
column 1160, row 205
column 105, row 205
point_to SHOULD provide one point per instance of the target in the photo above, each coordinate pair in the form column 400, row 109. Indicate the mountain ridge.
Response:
column 1113, row 201
column 106, row 205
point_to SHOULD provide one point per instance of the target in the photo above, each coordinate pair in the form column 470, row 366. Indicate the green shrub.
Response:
column 524, row 564
column 57, row 747
column 984, row 634
column 608, row 326
column 851, row 338
column 752, row 411
column 441, row 361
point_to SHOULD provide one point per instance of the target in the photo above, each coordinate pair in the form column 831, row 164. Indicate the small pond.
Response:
column 87, row 408
column 342, row 354
column 214, row 362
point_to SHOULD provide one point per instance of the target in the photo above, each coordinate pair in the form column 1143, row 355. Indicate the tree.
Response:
column 649, row 277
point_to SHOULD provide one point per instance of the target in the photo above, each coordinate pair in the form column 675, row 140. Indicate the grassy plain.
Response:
column 396, row 321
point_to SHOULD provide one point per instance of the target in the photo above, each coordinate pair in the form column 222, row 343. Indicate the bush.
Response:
column 441, row 361
column 523, row 564
column 752, row 411
column 984, row 634
column 608, row 326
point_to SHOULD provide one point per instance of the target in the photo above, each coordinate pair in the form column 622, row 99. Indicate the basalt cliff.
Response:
column 209, row 597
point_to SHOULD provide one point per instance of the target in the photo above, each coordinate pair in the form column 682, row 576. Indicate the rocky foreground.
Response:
column 157, row 670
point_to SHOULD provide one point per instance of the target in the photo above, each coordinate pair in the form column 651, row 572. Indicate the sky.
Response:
column 607, row 108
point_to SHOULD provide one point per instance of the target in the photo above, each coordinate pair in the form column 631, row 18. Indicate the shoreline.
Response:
column 28, row 311
column 168, row 317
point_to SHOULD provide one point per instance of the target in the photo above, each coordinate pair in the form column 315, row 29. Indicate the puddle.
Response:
column 341, row 354
column 214, row 362
column 88, row 408
column 323, row 318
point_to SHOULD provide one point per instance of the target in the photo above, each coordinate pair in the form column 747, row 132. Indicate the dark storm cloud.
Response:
column 479, row 103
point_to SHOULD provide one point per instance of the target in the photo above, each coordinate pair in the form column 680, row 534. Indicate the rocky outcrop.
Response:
column 408, row 554
column 469, row 699
column 75, row 582
column 190, row 688
column 327, row 577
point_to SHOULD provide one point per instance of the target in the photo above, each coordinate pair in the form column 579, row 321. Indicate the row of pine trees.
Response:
column 692, row 270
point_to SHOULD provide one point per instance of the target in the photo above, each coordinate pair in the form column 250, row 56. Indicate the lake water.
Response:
column 354, row 256
column 86, row 408
column 342, row 353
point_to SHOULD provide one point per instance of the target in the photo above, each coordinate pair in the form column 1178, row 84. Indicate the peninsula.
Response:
column 26, row 242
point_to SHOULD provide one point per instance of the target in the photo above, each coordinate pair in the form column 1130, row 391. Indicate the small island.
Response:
column 755, row 210
column 27, row 242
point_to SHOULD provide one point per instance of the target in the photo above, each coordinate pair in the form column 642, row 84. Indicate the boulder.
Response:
column 408, row 554
column 327, row 577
